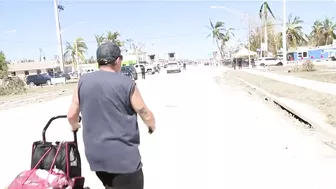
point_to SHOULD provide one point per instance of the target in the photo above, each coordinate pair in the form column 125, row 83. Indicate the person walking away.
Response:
column 143, row 72
column 184, row 66
column 109, row 104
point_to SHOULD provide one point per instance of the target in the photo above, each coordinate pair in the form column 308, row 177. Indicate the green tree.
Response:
column 217, row 33
column 100, row 39
column 294, row 31
column 78, row 48
column 316, row 35
column 114, row 37
column 329, row 28
column 3, row 63
column 274, row 39
column 226, row 38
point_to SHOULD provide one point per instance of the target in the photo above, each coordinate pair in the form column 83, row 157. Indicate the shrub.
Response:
column 12, row 85
column 308, row 66
column 9, row 85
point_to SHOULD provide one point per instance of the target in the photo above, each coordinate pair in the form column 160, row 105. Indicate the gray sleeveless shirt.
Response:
column 110, row 127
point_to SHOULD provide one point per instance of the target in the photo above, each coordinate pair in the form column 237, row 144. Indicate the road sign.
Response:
column 263, row 47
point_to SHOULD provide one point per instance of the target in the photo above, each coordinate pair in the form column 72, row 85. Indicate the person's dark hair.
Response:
column 104, row 62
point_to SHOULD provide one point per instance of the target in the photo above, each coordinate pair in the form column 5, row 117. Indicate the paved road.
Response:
column 207, row 137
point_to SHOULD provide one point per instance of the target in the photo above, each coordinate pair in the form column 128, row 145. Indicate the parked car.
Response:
column 268, row 61
column 38, row 79
column 173, row 67
column 60, row 74
column 129, row 71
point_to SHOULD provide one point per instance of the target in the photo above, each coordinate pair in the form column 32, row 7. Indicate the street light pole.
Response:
column 284, row 33
column 59, row 37
column 248, row 38
column 77, row 60
column 77, row 57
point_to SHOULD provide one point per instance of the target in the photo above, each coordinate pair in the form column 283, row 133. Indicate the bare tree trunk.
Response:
column 219, row 49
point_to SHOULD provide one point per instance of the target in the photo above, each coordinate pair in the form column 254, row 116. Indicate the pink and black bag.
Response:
column 61, row 160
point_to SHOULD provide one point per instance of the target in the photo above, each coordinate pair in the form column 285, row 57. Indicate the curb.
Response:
column 322, row 128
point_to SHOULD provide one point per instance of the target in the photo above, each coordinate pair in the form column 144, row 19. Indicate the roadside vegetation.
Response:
column 9, row 85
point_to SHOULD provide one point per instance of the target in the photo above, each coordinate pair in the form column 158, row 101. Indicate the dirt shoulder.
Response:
column 321, row 101
column 36, row 94
column 324, row 73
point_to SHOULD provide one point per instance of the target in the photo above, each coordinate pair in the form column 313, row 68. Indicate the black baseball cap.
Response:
column 108, row 51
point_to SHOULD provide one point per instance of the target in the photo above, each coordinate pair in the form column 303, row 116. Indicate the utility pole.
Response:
column 137, row 55
column 77, row 59
column 59, row 37
column 261, row 38
column 248, row 38
column 284, row 31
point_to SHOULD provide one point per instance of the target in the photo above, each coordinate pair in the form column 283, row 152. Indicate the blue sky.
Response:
column 178, row 26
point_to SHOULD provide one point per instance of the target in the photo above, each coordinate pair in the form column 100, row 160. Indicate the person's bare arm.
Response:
column 140, row 107
column 73, row 113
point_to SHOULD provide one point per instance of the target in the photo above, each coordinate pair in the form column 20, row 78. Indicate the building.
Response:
column 29, row 68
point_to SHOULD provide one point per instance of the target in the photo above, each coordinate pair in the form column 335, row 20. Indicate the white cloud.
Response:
column 10, row 31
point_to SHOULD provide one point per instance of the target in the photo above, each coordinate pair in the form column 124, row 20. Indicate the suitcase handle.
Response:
column 51, row 120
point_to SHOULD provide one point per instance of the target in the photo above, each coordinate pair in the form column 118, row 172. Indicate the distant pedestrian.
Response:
column 143, row 72
column 184, row 66
column 240, row 64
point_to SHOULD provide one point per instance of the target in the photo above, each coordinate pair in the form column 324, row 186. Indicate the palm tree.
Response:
column 100, row 39
column 113, row 36
column 329, row 28
column 76, row 50
column 217, row 34
column 317, row 33
column 294, row 31
column 226, row 37
column 264, row 12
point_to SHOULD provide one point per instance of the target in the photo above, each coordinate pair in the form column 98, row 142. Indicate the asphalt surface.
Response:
column 208, row 136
